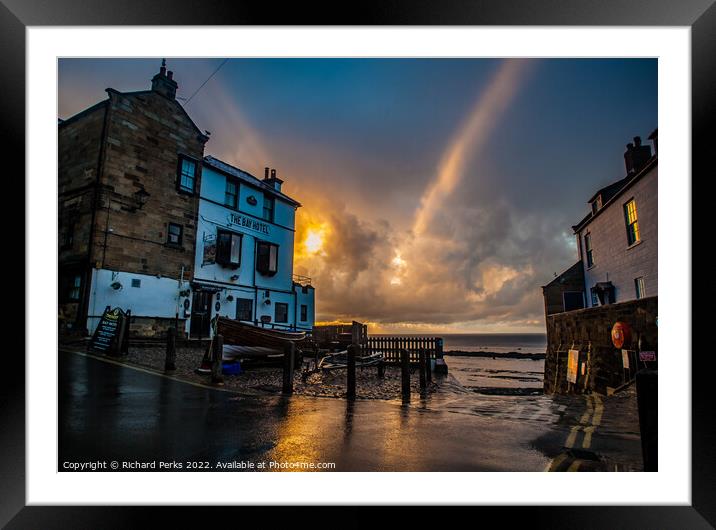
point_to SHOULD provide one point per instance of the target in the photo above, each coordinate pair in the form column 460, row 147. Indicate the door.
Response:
column 200, row 314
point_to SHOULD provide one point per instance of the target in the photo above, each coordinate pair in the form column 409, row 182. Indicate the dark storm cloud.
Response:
column 359, row 143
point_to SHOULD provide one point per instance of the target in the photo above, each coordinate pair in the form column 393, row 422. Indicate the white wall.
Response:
column 614, row 260
column 155, row 297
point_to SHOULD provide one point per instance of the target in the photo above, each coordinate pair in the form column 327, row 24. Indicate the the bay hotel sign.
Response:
column 248, row 222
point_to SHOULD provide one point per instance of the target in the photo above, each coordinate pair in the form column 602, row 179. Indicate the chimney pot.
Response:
column 630, row 146
column 170, row 74
column 273, row 173
column 266, row 173
column 637, row 139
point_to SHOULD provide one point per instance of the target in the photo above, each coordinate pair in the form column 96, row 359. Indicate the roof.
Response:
column 615, row 190
column 135, row 93
column 246, row 177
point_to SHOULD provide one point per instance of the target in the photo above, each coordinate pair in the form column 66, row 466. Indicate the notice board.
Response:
column 572, row 365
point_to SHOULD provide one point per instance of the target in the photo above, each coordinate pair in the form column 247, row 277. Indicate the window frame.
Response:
column 632, row 226
column 268, row 271
column 169, row 234
column 250, row 309
column 75, row 284
column 588, row 250
column 180, row 187
column 219, row 258
column 269, row 199
column 275, row 312
column 235, row 183
column 640, row 292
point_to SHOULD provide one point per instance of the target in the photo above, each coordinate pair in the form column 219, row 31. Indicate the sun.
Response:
column 314, row 240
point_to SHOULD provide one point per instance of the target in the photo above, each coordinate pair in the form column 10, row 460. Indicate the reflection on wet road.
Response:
column 109, row 412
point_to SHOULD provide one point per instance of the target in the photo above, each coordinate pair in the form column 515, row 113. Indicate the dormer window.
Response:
column 596, row 204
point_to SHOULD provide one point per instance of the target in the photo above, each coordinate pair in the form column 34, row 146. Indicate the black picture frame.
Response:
column 700, row 15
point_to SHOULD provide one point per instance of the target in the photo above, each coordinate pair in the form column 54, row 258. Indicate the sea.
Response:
column 496, row 374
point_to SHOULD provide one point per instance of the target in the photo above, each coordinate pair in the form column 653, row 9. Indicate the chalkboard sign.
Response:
column 110, row 333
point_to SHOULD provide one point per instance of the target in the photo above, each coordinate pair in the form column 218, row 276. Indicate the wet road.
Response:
column 114, row 413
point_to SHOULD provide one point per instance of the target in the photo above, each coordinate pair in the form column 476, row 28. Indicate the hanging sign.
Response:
column 209, row 256
column 572, row 363
column 621, row 334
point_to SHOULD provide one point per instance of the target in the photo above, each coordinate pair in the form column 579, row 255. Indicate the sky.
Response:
column 438, row 194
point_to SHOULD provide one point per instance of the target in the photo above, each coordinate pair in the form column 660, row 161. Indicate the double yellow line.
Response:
column 595, row 410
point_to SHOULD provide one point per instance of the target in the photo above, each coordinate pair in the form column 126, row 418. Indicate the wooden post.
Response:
column 217, row 372
column 352, row 352
column 423, row 377
column 125, row 338
column 289, row 352
column 405, row 374
column 428, row 368
column 381, row 369
column 170, row 361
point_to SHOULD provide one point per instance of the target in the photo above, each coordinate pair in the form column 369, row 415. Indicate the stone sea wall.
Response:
column 600, row 363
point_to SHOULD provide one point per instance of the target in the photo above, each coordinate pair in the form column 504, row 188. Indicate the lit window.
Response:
column 588, row 249
column 268, row 208
column 174, row 234
column 639, row 287
column 187, row 175
column 231, row 193
column 266, row 258
column 632, row 224
column 281, row 315
column 228, row 248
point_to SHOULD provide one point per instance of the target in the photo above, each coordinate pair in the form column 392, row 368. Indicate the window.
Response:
column 231, row 193
column 228, row 248
column 281, row 312
column 269, row 204
column 74, row 294
column 174, row 234
column 639, row 287
column 304, row 312
column 136, row 282
column 595, row 298
column 632, row 224
column 588, row 249
column 266, row 258
column 244, row 309
column 69, row 235
column 187, row 175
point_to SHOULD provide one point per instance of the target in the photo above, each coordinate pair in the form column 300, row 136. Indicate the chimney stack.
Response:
column 636, row 156
column 163, row 83
column 273, row 180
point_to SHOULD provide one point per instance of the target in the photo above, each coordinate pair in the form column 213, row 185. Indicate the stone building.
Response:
column 617, row 240
column 614, row 281
column 129, row 179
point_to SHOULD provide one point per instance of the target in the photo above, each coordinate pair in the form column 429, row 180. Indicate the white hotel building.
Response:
column 244, row 253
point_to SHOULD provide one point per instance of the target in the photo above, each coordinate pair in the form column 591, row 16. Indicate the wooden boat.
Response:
column 241, row 334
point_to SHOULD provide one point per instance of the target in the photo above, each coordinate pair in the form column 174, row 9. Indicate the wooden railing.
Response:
column 390, row 347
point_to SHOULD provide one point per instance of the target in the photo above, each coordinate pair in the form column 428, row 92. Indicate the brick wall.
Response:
column 146, row 134
column 589, row 330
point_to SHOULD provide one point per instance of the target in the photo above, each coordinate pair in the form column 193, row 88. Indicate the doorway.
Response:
column 200, row 314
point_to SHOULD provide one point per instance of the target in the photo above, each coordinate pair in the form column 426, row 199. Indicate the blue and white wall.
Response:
column 245, row 281
column 145, row 295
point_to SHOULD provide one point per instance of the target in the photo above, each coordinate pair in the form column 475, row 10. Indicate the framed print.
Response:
column 409, row 257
